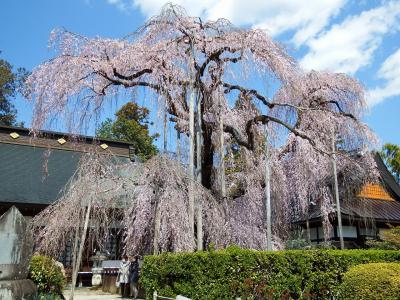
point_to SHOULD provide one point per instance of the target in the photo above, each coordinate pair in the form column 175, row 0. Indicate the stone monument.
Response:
column 16, row 247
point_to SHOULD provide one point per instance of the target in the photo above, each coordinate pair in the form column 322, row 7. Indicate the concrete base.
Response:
column 17, row 289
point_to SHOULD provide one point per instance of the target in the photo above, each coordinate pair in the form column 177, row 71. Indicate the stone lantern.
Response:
column 97, row 268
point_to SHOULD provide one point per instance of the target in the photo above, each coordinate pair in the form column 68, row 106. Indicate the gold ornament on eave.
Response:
column 104, row 146
column 61, row 141
column 14, row 135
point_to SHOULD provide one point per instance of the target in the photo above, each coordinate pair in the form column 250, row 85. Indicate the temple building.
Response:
column 35, row 170
column 364, row 217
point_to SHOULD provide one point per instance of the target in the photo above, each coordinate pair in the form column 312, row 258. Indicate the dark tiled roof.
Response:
column 380, row 210
column 22, row 177
column 388, row 180
column 55, row 135
column 48, row 139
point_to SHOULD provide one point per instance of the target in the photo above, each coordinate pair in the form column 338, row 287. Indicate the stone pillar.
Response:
column 16, row 247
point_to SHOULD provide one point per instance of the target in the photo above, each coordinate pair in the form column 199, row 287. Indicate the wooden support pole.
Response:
column 199, row 144
column 191, row 144
column 157, row 223
column 222, row 154
column 178, row 145
column 165, row 130
column 336, row 189
column 268, row 222
column 81, row 247
column 74, row 267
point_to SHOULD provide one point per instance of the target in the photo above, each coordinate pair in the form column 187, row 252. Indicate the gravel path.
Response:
column 84, row 293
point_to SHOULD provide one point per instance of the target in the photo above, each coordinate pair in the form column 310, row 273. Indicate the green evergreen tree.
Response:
column 10, row 82
column 131, row 125
column 390, row 154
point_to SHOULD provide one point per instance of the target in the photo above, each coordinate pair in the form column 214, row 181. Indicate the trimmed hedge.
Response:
column 249, row 274
column 375, row 281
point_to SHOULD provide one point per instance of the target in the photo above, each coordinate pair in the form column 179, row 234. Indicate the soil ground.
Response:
column 84, row 293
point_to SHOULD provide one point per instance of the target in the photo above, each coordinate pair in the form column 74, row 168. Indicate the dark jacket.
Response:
column 134, row 272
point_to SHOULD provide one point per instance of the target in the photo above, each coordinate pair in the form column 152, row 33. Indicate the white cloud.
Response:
column 306, row 18
column 350, row 45
column 390, row 70
column 120, row 4
column 344, row 47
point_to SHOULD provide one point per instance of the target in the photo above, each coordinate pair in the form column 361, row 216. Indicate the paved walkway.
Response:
column 84, row 293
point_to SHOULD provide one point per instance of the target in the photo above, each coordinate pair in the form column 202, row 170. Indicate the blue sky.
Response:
column 360, row 38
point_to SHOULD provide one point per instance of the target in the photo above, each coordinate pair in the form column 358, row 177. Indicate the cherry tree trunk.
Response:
column 208, row 157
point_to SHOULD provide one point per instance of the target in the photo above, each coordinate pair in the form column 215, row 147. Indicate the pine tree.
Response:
column 10, row 82
column 131, row 125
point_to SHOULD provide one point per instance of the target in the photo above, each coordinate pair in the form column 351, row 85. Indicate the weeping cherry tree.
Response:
column 210, row 78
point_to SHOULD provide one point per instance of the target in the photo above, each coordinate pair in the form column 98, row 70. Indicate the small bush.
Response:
column 390, row 240
column 297, row 244
column 249, row 274
column 46, row 297
column 382, row 245
column 371, row 281
column 46, row 274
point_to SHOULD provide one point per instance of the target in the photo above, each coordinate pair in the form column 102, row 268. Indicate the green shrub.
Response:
column 46, row 297
column 249, row 274
column 390, row 240
column 371, row 281
column 296, row 244
column 382, row 245
column 46, row 274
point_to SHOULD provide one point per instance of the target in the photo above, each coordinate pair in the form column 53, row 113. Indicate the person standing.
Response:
column 134, row 277
column 123, row 275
